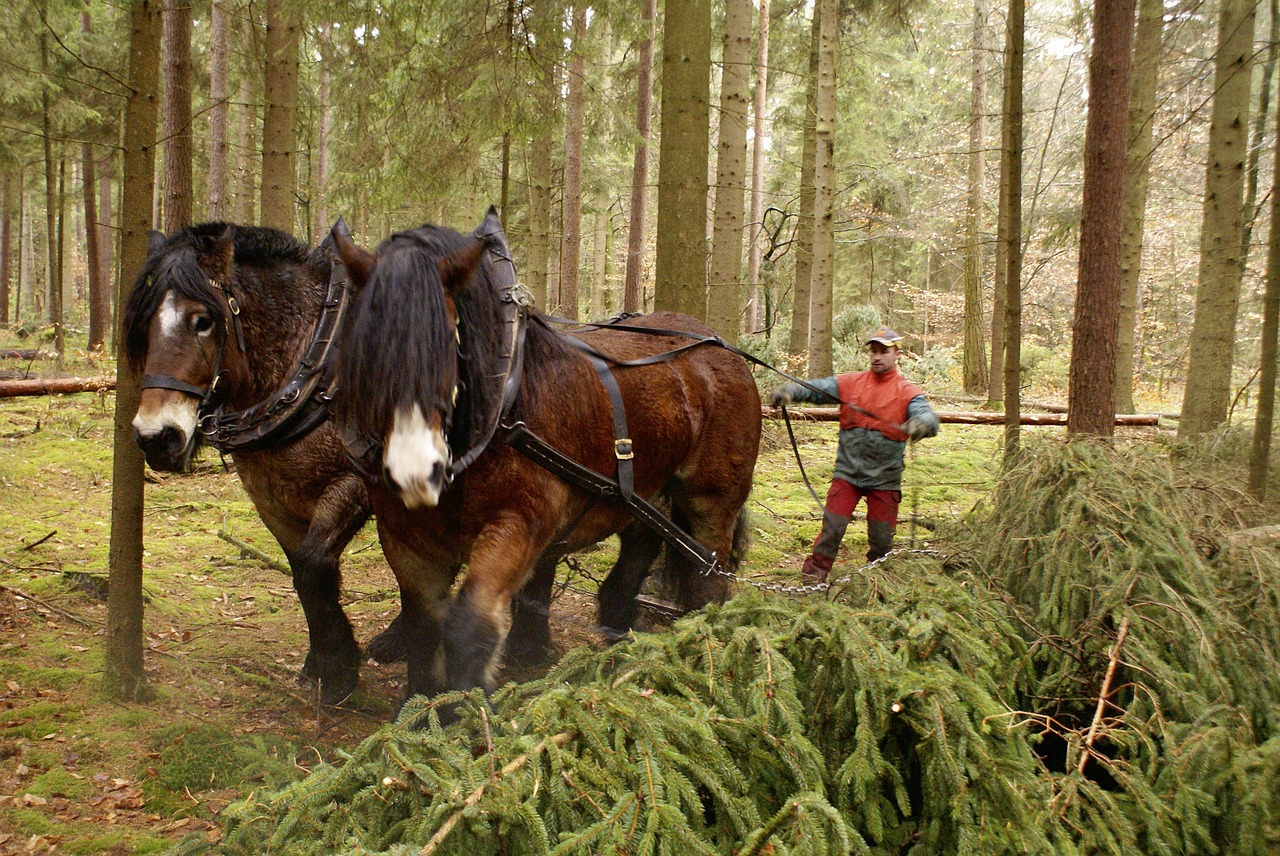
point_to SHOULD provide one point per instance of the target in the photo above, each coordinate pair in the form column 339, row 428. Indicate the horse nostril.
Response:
column 439, row 475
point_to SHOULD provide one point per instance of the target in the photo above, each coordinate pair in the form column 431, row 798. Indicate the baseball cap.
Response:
column 886, row 337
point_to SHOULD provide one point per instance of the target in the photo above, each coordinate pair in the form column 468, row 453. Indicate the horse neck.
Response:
column 278, row 314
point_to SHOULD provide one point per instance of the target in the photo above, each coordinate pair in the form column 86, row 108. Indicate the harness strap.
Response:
column 554, row 461
column 622, row 448
column 153, row 381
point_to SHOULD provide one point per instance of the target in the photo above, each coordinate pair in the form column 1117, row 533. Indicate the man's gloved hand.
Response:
column 781, row 397
column 915, row 429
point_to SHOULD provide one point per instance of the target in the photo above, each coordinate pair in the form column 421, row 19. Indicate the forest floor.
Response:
column 225, row 638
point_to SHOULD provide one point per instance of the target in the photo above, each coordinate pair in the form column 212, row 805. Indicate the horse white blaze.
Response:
column 158, row 408
column 416, row 458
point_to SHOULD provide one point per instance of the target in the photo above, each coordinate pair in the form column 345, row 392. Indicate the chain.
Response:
column 810, row 588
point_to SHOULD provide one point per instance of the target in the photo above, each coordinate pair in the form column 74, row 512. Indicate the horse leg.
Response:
column 424, row 586
column 720, row 527
column 333, row 661
column 479, row 616
column 617, row 595
column 529, row 641
column 392, row 644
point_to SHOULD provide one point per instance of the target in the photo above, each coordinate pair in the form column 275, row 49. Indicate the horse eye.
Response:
column 202, row 324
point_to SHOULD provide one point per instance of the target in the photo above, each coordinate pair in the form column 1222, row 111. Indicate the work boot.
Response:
column 815, row 568
column 879, row 538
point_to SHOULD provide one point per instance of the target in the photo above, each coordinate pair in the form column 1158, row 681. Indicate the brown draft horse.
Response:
column 199, row 359
column 420, row 348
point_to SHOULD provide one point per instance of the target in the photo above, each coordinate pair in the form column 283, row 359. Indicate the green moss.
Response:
column 202, row 757
column 59, row 782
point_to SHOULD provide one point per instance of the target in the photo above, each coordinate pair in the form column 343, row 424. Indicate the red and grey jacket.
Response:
column 872, row 446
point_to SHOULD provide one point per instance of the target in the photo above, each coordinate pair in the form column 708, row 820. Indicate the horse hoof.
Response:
column 390, row 646
column 614, row 635
column 334, row 689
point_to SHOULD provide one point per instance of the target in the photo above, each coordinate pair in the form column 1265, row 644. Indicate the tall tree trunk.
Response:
column 1142, row 107
column 1091, row 391
column 725, row 280
column 1213, row 333
column 106, row 239
column 24, row 238
column 279, row 143
column 219, row 109
column 798, row 343
column 6, row 245
column 504, row 194
column 51, row 201
column 600, row 260
column 631, row 296
column 1260, row 453
column 824, row 185
column 1011, row 179
column 756, row 320
column 98, row 287
column 975, row 352
column 123, row 674
column 546, row 36
column 680, row 282
column 571, row 239
column 321, row 221
column 177, row 146
column 246, row 137
column 1251, row 205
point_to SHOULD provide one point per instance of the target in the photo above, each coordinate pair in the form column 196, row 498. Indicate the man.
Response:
column 880, row 411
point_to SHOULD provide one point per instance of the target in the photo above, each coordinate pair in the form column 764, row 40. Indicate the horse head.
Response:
column 399, row 366
column 177, row 322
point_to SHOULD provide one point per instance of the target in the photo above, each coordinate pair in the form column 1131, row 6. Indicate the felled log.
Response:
column 957, row 417
column 1260, row 535
column 55, row 386
column 25, row 354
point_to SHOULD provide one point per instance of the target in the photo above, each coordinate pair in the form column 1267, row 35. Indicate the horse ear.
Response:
column 155, row 242
column 455, row 270
column 358, row 261
column 220, row 257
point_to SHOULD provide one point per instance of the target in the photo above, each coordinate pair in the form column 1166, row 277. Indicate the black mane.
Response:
column 400, row 320
column 177, row 266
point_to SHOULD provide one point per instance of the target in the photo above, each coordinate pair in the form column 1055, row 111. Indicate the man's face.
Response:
column 883, row 358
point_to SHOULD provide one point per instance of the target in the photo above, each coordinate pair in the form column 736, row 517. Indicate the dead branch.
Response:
column 1104, row 694
column 248, row 551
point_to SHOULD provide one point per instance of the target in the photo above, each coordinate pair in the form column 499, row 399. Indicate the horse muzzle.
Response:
column 167, row 450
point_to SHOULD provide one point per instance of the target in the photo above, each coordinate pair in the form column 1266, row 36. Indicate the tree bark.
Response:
column 1213, row 334
column 803, row 287
column 725, row 280
column 1148, row 42
column 1251, row 205
column 123, row 674
column 177, row 145
column 6, row 245
column 1264, row 419
column 631, row 289
column 1091, row 389
column 681, row 276
column 1011, row 180
column 975, row 352
column 99, row 289
column 824, row 186
column 546, row 36
column 219, row 110
column 571, row 238
column 246, row 137
column 52, row 203
column 756, row 320
column 279, row 143
column 324, row 124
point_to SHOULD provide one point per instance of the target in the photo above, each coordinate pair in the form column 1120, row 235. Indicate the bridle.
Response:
column 205, row 393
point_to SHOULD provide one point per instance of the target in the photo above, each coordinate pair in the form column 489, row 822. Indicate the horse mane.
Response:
column 397, row 338
column 177, row 266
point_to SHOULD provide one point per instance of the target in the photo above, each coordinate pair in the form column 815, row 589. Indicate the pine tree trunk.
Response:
column 631, row 294
column 1251, row 205
column 219, row 109
column 546, row 36
column 756, row 320
column 571, row 239
column 321, row 220
column 6, row 245
column 1011, row 179
column 975, row 352
column 1142, row 106
column 177, row 145
column 725, row 280
column 600, row 259
column 1213, row 333
column 824, row 185
column 123, row 673
column 798, row 343
column 246, row 137
column 1260, row 453
column 52, row 204
column 97, row 286
column 106, row 242
column 279, row 144
column 1091, row 392
column 680, row 281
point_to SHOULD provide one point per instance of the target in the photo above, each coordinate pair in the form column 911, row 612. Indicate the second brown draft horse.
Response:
column 421, row 347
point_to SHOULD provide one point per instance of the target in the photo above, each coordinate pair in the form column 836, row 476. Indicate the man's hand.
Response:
column 915, row 429
column 781, row 397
